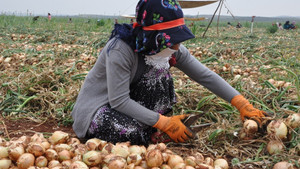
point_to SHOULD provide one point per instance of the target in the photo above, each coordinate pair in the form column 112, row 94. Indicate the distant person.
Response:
column 287, row 25
column 293, row 25
column 70, row 20
column 239, row 25
column 116, row 21
column 49, row 17
column 279, row 25
column 35, row 18
column 131, row 21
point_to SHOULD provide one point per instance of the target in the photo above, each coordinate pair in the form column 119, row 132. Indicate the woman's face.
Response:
column 175, row 47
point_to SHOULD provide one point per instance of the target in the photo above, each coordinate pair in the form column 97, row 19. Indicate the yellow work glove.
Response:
column 246, row 109
column 174, row 127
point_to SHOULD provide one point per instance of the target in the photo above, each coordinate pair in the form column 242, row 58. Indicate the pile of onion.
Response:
column 61, row 151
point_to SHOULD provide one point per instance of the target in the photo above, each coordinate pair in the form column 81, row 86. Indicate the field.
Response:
column 43, row 64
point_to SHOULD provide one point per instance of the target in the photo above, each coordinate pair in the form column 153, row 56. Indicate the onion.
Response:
column 165, row 156
column 37, row 137
column 79, row 149
column 41, row 161
column 180, row 166
column 154, row 158
column 135, row 149
column 275, row 146
column 130, row 166
column 293, row 120
column 151, row 147
column 221, row 163
column 144, row 164
column 110, row 157
column 5, row 163
column 189, row 167
column 51, row 154
column 165, row 166
column 36, row 148
column 54, row 163
column 78, row 165
column 209, row 161
column 92, row 144
column 161, row 146
column 61, row 147
column 64, row 155
column 204, row 166
column 25, row 161
column 199, row 158
column 134, row 159
column 102, row 144
column 2, row 141
column 58, row 137
column 3, row 152
column 120, row 150
column 15, row 151
column 46, row 145
column 73, row 142
column 25, row 140
column 77, row 158
column 277, row 128
column 283, row 165
column 174, row 160
column 250, row 127
column 190, row 160
column 92, row 158
column 119, row 163
column 66, row 163
column 107, row 148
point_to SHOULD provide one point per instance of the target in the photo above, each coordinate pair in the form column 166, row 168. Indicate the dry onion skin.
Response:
column 174, row 160
column 283, row 165
column 58, row 137
column 277, row 128
column 92, row 158
column 154, row 158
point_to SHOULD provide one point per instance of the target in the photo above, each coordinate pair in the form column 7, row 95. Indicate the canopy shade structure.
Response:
column 195, row 3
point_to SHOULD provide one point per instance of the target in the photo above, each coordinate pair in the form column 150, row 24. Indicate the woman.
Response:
column 126, row 95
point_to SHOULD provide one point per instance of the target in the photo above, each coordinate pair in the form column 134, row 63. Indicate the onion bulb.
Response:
column 283, row 165
column 174, row 160
column 198, row 157
column 204, row 166
column 92, row 158
column 73, row 141
column 66, row 163
column 78, row 165
column 134, row 159
column 293, row 120
column 107, row 148
column 25, row 161
column 154, row 158
column 15, row 151
column 79, row 149
column 58, row 137
column 135, row 149
column 3, row 152
column 93, row 143
column 64, row 155
column 165, row 166
column 275, row 146
column 221, row 163
column 120, row 150
column 5, row 163
column 180, row 166
column 209, row 161
column 118, row 163
column 54, row 163
column 36, row 148
column 41, row 161
column 51, row 154
column 190, row 160
column 250, row 127
column 61, row 147
column 277, row 128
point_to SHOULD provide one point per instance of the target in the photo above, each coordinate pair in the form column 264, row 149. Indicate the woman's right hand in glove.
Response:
column 174, row 127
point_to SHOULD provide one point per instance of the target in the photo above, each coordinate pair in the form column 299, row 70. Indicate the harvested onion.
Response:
column 78, row 164
column 283, row 165
column 275, row 146
column 174, row 160
column 221, row 163
column 154, row 158
column 92, row 158
column 41, row 161
column 293, row 120
column 58, row 137
column 250, row 127
column 5, row 163
column 25, row 161
column 277, row 128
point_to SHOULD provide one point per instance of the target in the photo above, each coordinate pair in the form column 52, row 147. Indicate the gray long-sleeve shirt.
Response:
column 109, row 81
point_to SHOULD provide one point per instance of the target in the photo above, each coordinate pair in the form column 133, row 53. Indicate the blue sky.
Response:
column 266, row 8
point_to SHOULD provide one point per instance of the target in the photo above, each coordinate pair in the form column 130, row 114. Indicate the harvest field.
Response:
column 43, row 65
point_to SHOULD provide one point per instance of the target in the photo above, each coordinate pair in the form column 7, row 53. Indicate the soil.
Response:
column 15, row 128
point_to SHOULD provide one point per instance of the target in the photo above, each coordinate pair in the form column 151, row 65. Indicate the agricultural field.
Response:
column 43, row 64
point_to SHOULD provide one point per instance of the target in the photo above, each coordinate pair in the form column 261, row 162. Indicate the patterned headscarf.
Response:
column 159, row 24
